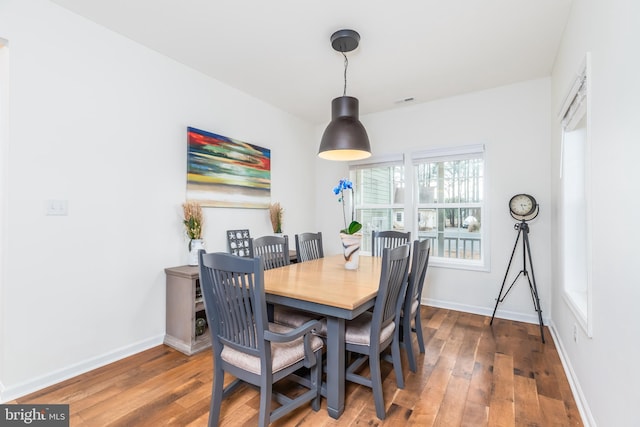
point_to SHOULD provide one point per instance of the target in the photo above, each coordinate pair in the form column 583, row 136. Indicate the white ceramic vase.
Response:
column 194, row 246
column 351, row 244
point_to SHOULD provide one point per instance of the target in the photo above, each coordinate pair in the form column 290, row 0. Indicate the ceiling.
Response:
column 279, row 50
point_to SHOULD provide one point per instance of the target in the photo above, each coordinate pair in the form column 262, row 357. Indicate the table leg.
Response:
column 335, row 366
column 270, row 308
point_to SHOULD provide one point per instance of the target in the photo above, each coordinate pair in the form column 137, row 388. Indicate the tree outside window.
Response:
column 450, row 196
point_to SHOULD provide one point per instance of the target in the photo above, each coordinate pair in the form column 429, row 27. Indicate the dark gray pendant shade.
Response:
column 345, row 138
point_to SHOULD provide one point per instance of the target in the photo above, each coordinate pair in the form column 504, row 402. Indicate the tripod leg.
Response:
column 532, row 286
column 500, row 297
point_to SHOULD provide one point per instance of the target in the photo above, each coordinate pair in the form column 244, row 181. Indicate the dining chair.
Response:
column 274, row 250
column 410, row 312
column 238, row 242
column 309, row 246
column 370, row 334
column 388, row 239
column 247, row 346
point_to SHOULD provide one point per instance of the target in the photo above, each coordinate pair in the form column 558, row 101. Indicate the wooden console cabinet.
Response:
column 184, row 307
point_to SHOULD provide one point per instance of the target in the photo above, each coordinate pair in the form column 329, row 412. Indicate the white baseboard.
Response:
column 9, row 393
column 487, row 311
column 578, row 395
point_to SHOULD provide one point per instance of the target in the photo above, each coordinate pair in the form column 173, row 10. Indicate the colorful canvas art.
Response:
column 225, row 172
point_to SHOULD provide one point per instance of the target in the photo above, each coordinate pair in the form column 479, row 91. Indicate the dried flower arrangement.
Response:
column 193, row 219
column 275, row 214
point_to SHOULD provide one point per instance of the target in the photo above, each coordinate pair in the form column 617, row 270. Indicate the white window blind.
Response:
column 574, row 106
column 446, row 153
column 377, row 161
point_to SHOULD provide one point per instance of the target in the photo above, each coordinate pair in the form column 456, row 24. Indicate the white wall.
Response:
column 603, row 367
column 513, row 123
column 100, row 121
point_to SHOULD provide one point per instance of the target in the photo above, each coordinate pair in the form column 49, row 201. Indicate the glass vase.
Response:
column 351, row 244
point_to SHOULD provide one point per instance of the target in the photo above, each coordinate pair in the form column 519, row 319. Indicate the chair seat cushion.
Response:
column 358, row 330
column 414, row 307
column 283, row 354
column 291, row 317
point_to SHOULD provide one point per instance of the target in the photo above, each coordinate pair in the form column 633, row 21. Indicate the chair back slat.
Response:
column 393, row 285
column 233, row 289
column 418, row 272
column 309, row 246
column 388, row 239
column 273, row 250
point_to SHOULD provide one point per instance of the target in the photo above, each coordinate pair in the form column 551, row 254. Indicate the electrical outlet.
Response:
column 575, row 333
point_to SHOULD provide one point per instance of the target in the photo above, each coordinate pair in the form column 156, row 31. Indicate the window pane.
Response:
column 470, row 176
column 458, row 181
column 450, row 236
column 379, row 185
column 574, row 220
column 427, row 176
column 379, row 200
column 450, row 195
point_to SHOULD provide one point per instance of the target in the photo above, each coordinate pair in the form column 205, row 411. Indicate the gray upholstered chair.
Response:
column 410, row 314
column 274, row 251
column 388, row 239
column 371, row 333
column 309, row 246
column 246, row 346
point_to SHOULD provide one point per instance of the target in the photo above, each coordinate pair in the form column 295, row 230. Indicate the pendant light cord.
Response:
column 346, row 64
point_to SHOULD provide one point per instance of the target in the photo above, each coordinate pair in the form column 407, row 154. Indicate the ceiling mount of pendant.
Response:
column 345, row 40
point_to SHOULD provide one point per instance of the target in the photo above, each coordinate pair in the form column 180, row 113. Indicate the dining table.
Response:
column 325, row 287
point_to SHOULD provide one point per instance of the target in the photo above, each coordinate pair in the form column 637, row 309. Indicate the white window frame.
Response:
column 454, row 153
column 411, row 205
column 576, row 107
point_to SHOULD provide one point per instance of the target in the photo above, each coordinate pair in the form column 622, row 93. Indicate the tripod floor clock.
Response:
column 523, row 208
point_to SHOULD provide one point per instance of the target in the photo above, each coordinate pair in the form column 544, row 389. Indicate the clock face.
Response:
column 522, row 204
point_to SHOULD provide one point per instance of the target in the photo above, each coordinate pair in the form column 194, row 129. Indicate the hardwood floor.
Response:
column 472, row 374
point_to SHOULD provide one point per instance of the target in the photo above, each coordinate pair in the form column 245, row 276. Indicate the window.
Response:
column 379, row 190
column 446, row 207
column 574, row 209
column 449, row 187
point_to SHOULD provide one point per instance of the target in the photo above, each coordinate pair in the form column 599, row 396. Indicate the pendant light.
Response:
column 345, row 138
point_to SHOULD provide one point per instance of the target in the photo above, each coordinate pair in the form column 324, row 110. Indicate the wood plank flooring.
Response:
column 472, row 374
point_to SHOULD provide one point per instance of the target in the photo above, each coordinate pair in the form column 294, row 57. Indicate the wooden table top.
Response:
column 326, row 281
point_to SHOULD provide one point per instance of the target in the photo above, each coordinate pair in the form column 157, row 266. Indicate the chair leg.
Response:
column 397, row 362
column 418, row 323
column 316, row 381
column 376, row 384
column 406, row 343
column 264, row 416
column 216, row 397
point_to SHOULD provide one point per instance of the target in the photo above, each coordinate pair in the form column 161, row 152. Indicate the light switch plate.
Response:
column 57, row 207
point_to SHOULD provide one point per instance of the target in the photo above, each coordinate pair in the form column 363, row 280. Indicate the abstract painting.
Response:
column 225, row 172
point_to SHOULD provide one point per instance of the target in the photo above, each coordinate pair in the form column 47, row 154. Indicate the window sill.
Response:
column 458, row 264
